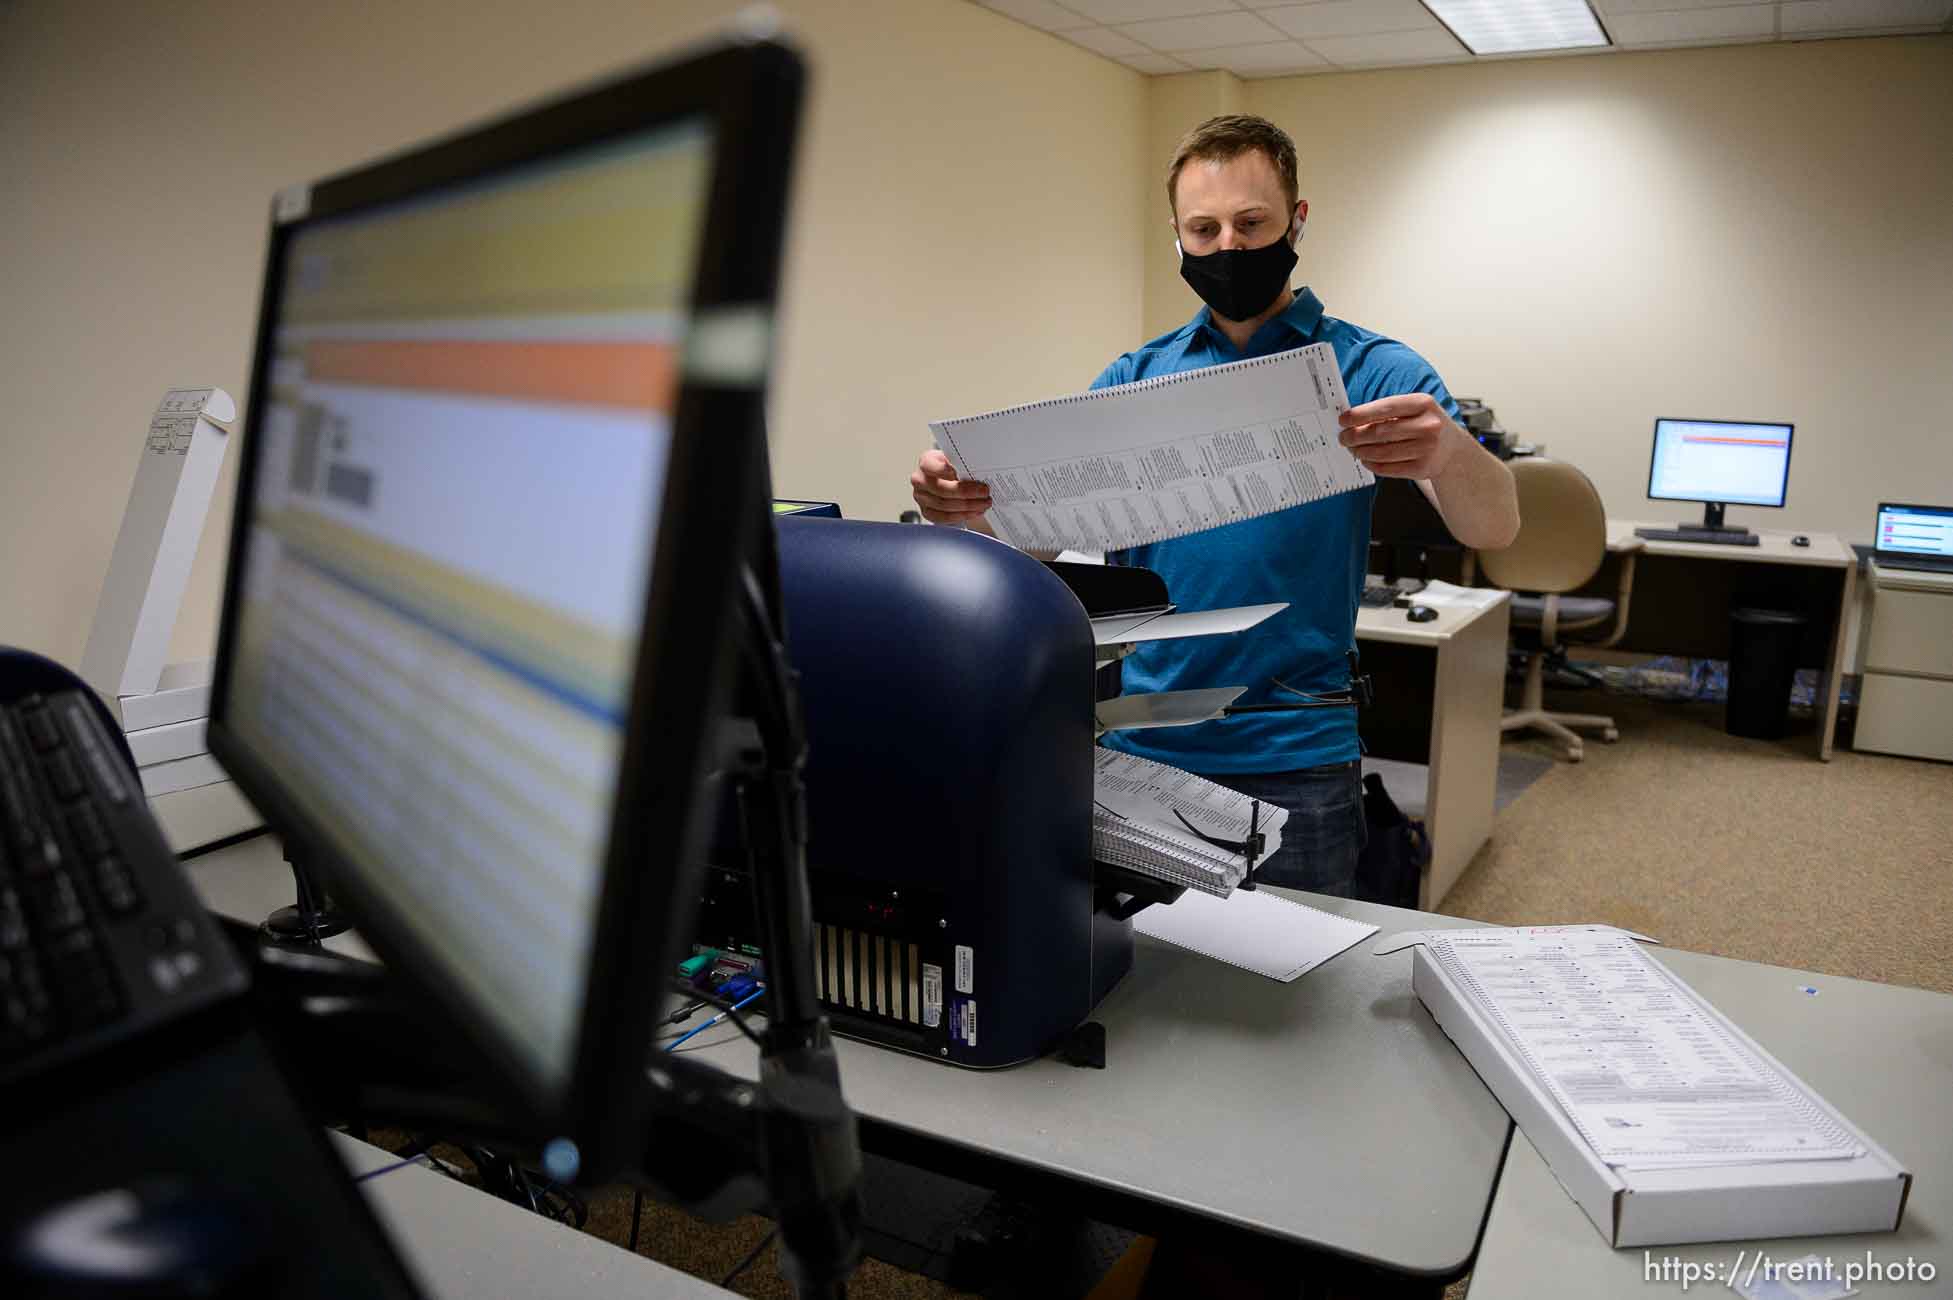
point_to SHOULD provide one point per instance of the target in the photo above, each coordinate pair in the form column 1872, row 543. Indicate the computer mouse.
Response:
column 1421, row 614
column 1800, row 540
column 155, row 1237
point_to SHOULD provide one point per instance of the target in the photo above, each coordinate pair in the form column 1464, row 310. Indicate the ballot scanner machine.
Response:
column 948, row 683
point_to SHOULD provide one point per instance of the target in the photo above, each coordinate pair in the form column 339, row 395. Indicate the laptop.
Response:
column 1914, row 537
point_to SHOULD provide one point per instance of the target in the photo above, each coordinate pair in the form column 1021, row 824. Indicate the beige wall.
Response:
column 1756, row 232
column 961, row 174
column 1174, row 106
column 1752, row 232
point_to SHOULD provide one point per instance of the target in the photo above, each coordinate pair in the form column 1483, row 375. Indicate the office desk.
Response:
column 1330, row 1114
column 1881, row 1054
column 1440, row 692
column 1231, row 1105
column 463, row 1244
column 1683, row 592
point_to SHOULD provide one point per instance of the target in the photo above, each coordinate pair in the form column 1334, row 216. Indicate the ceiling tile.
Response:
column 1050, row 16
column 1103, row 40
column 1274, row 59
column 1137, row 11
column 1735, row 22
column 1390, row 47
column 1155, row 64
column 1663, row 6
column 1802, row 17
column 1209, row 32
column 1350, row 18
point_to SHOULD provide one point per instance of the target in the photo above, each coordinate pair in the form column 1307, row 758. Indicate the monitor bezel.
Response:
column 749, row 93
column 1883, row 506
column 1654, row 452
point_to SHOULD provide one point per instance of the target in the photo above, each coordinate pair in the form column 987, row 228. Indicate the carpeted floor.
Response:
column 1743, row 848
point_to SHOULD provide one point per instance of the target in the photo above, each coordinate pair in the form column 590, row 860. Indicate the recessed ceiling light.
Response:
column 1517, row 26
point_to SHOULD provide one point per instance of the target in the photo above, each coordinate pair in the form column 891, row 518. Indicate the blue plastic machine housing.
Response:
column 947, row 681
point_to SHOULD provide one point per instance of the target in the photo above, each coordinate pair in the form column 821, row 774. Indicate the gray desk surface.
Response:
column 1330, row 1112
column 1881, row 1054
column 464, row 1244
column 1292, row 1110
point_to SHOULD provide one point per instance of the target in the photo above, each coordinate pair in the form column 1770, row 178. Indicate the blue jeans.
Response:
column 1325, row 833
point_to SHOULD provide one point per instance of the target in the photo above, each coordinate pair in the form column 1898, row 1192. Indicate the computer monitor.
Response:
column 501, row 462
column 1719, row 463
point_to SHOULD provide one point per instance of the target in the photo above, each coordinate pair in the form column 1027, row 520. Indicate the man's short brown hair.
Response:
column 1223, row 139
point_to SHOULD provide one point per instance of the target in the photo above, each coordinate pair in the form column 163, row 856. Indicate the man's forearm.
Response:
column 1475, row 494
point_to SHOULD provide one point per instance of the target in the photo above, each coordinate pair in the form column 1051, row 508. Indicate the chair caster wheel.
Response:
column 1575, row 754
column 1610, row 735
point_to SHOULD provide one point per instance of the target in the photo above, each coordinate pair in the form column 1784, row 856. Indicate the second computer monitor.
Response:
column 1719, row 463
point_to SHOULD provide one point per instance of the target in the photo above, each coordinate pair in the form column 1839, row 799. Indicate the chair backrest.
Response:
column 1562, row 530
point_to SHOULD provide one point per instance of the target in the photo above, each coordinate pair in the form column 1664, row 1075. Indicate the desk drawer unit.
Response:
column 1906, row 704
column 1911, row 633
column 1912, row 716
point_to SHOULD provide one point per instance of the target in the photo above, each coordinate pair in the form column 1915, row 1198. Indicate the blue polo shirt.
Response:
column 1312, row 556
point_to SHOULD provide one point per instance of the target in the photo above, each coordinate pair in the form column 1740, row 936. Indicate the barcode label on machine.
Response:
column 932, row 996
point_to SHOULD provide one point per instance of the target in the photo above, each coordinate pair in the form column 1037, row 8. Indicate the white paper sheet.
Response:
column 1132, row 629
column 1163, row 457
column 1445, row 595
column 1255, row 930
column 1649, row 1077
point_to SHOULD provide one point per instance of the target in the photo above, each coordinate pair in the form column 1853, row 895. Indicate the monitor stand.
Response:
column 1712, row 521
column 312, row 919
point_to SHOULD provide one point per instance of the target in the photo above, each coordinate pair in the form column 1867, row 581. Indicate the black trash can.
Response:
column 1762, row 666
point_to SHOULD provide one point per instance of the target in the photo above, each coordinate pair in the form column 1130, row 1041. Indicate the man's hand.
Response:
column 945, row 499
column 1408, row 436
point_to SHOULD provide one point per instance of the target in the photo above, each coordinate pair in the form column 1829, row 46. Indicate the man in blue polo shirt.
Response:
column 1238, row 216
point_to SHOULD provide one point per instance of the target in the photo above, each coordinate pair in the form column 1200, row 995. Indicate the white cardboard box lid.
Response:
column 1651, row 1207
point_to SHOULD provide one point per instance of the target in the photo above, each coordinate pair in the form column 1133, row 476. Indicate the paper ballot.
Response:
column 1645, row 1071
column 1146, row 816
column 1162, row 457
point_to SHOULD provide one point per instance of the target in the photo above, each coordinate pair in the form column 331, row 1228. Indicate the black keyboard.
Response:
column 101, row 936
column 1714, row 535
column 1378, row 597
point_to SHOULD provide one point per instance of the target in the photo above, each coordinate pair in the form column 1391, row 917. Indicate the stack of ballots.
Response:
column 1162, row 822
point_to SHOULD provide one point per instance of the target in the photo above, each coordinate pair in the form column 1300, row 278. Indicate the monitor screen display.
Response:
column 1915, row 530
column 1721, row 461
column 468, row 413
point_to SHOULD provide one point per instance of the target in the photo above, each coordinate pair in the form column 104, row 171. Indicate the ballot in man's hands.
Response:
column 945, row 499
column 1407, row 436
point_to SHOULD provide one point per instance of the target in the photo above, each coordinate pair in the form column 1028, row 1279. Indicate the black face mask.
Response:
column 1239, row 283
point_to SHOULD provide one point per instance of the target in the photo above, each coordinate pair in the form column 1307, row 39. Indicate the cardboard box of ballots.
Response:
column 1666, row 1123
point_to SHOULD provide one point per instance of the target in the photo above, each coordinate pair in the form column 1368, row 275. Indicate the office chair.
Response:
column 1562, row 540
